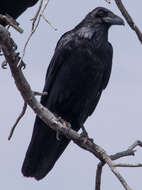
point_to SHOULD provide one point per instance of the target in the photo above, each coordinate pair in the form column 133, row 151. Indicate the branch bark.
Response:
column 129, row 19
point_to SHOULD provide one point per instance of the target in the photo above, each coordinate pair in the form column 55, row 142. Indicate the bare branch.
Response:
column 36, row 15
column 129, row 152
column 18, row 119
column 11, row 22
column 40, row 93
column 43, row 113
column 46, row 20
column 117, row 174
column 129, row 19
column 123, row 154
column 128, row 165
column 99, row 175
column 37, row 18
column 135, row 144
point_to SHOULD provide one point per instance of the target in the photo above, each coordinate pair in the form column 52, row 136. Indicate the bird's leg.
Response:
column 84, row 132
column 14, row 45
column 20, row 64
column 84, row 135
column 64, row 123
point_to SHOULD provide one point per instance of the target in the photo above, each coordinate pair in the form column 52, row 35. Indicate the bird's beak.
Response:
column 114, row 20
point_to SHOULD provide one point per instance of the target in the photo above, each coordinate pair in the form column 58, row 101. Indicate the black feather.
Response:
column 15, row 8
column 78, row 73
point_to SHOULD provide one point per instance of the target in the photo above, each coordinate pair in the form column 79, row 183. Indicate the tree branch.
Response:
column 128, row 165
column 35, row 24
column 129, row 152
column 11, row 22
column 129, row 19
column 17, row 120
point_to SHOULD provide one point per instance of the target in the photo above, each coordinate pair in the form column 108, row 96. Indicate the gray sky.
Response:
column 115, row 124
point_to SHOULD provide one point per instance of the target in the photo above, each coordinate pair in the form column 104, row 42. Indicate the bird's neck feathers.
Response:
column 97, row 34
column 100, row 36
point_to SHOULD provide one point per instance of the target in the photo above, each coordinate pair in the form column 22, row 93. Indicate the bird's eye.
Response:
column 102, row 13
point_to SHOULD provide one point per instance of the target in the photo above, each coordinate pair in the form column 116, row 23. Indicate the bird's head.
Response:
column 101, row 15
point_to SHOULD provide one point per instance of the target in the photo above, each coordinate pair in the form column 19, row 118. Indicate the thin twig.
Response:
column 40, row 93
column 17, row 120
column 34, row 27
column 34, row 19
column 116, row 173
column 46, row 20
column 11, row 22
column 135, row 144
column 32, row 32
column 129, row 152
column 99, row 175
column 129, row 19
column 128, row 165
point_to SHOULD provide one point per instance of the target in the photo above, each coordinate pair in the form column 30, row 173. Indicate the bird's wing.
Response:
column 81, row 74
column 58, row 59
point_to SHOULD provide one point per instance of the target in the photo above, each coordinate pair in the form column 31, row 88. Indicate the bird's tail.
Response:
column 43, row 151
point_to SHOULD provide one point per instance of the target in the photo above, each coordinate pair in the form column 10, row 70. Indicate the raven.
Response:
column 15, row 8
column 78, row 73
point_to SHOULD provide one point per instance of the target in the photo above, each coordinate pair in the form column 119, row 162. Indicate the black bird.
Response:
column 15, row 8
column 78, row 73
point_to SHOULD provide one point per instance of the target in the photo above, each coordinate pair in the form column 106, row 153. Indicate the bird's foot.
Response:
column 64, row 123
column 14, row 45
column 21, row 65
column 84, row 135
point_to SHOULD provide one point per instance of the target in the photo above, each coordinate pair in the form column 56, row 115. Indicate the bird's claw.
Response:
column 14, row 45
column 4, row 65
column 64, row 123
column 84, row 136
column 21, row 65
column 58, row 135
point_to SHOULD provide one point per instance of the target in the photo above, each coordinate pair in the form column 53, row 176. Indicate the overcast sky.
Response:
column 116, row 122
